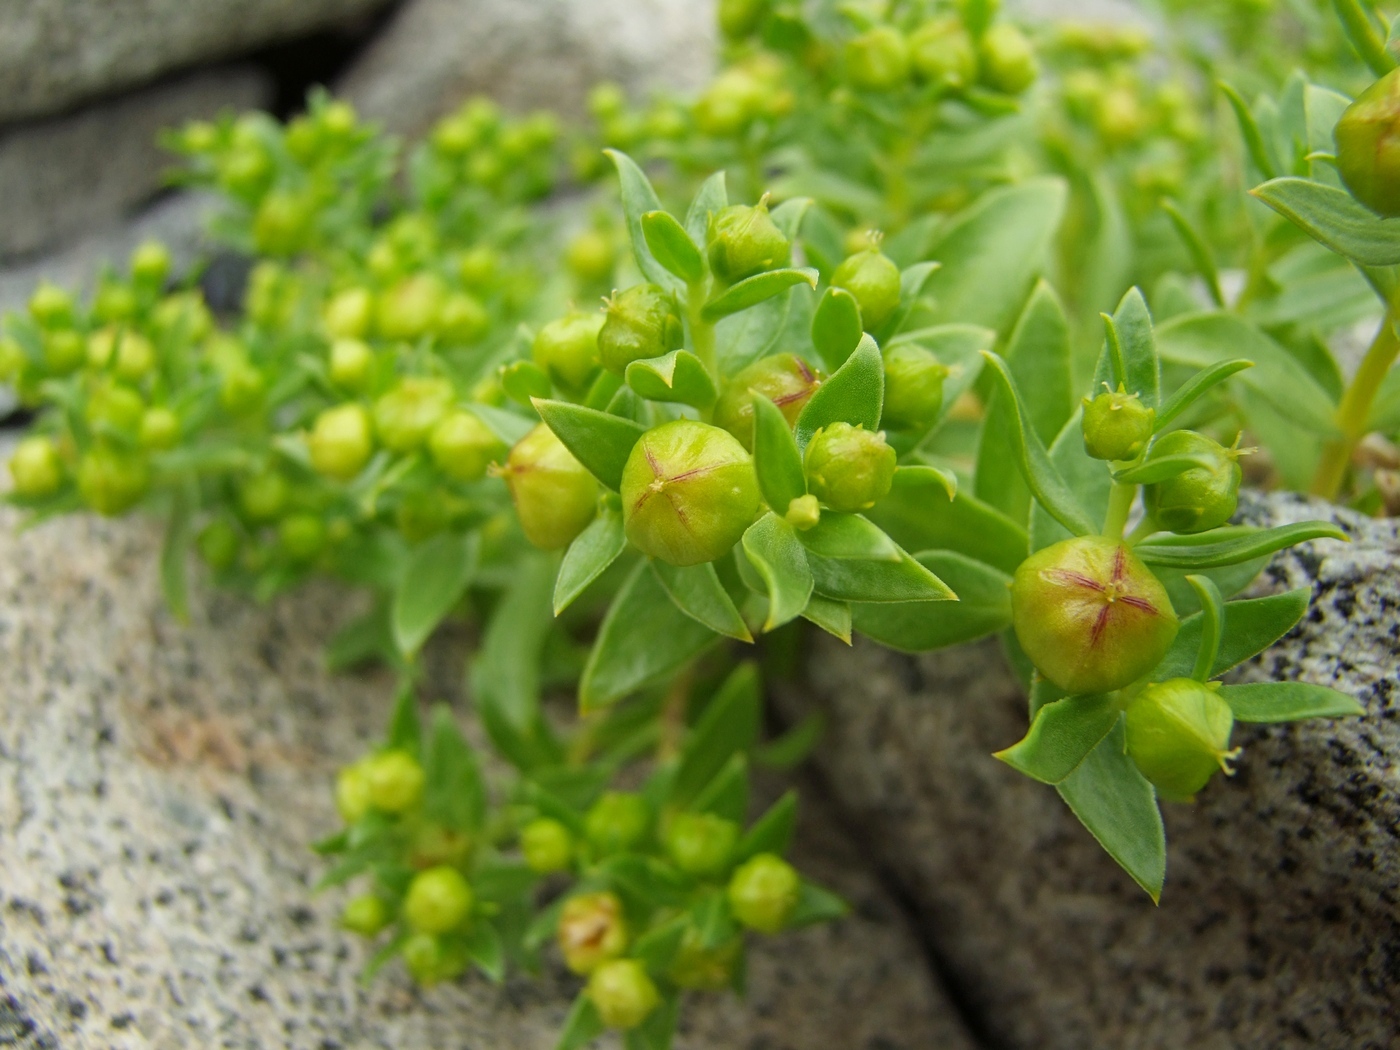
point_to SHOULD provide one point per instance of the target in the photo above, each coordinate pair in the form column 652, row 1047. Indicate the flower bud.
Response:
column 784, row 379
column 848, row 468
column 395, row 781
column 623, row 994
column 35, row 468
column 64, row 351
column 462, row 319
column 218, row 545
column 12, row 359
column 434, row 845
column 406, row 415
column 592, row 930
column 477, row 267
column 438, row 900
column 1368, row 146
column 283, row 223
column 1200, row 498
column 430, row 960
column 590, row 256
column 351, row 364
column 546, row 845
column 617, row 822
column 701, row 843
column 183, row 316
column 136, row 356
column 245, row 170
column 878, row 59
column 873, row 279
column 348, row 314
column 463, row 447
column 366, row 915
column 116, row 406
column 51, row 306
column 112, row 480
column 733, row 99
column 1179, row 735
column 913, row 387
column 341, row 442
column 688, row 492
column 1117, row 425
column 409, row 309
column 555, row 496
column 150, row 264
column 739, row 18
column 1090, row 616
column 263, row 496
column 568, row 349
column 943, row 52
column 301, row 536
column 241, row 388
column 160, row 429
column 702, row 969
column 115, row 301
column 1008, row 59
column 641, row 322
column 745, row 241
column 763, row 893
column 101, row 345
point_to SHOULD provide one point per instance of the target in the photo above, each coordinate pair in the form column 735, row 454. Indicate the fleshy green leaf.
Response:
column 405, row 728
column 788, row 216
column 454, row 794
column 901, row 580
column 712, row 197
column 1197, row 248
column 1287, row 702
column 657, row 948
column 1203, row 552
column 854, row 394
column 1161, row 468
column 1335, row 219
column 595, row 548
column 918, row 516
column 727, row 795
column 1249, row 130
column 1087, row 478
column 1061, row 737
column 174, row 551
column 697, row 592
column 831, row 616
column 753, row 290
column 729, row 726
column 364, row 639
column 1212, row 624
column 849, row 536
column 484, row 948
column 677, row 377
column 1199, row 384
column 983, row 607
column 638, row 198
column 772, row 548
column 1132, row 325
column 1251, row 626
column 581, row 1027
column 509, row 426
column 912, row 283
column 436, row 576
column 1119, row 808
column 836, row 329
column 1360, row 25
column 817, row 905
column 776, row 460
column 523, row 381
column 672, row 247
column 600, row 441
column 772, row 832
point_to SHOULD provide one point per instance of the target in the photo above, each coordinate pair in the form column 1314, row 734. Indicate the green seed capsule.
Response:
column 590, row 256
column 406, row 415
column 112, row 480
column 943, row 52
column 763, row 893
column 136, row 357
column 555, row 496
column 567, row 349
column 478, row 266
column 739, row 18
column 114, row 302
column 301, row 536
column 1008, row 59
column 1117, row 425
column 913, row 387
column 1200, row 498
column 701, row 843
column 878, row 59
column 351, row 364
column 349, row 313
column 409, row 310
column 641, row 322
column 283, row 223
column 241, row 388
column 264, row 496
column 873, row 279
column 434, row 845
column 218, row 545
column 463, row 447
column 1090, row 615
column 848, row 468
column 51, row 306
column 1179, row 735
column 1368, row 146
column 546, row 845
column 784, row 379
column 688, row 493
column 341, row 442
column 623, row 994
column 463, row 320
column 617, row 822
column 745, row 241
column 160, row 429
column 352, row 793
column 64, row 351
column 431, row 960
column 703, row 969
column 592, row 930
column 366, row 915
column 438, row 900
column 115, row 406
column 395, row 781
column 36, row 468
column 150, row 264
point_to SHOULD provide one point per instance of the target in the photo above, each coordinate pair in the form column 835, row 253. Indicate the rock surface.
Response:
column 1279, row 925
column 527, row 53
column 158, row 788
column 55, row 53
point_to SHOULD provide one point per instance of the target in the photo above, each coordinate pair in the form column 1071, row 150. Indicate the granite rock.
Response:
column 159, row 784
column 1279, row 924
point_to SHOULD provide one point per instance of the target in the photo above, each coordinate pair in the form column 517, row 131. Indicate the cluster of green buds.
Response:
column 478, row 149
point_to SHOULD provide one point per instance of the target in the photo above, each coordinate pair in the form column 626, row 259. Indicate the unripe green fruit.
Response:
column 1179, row 735
column 64, row 351
column 739, row 18
column 36, row 468
column 242, row 388
column 218, row 545
column 150, row 264
column 1008, row 59
column 1200, row 498
column 763, row 893
column 641, row 322
column 1368, row 146
column 462, row 319
column 264, row 496
column 848, row 468
column 1090, row 615
column 943, row 52
column 366, row 915
column 688, row 492
column 160, row 429
column 430, row 960
column 438, row 900
column 51, row 306
column 395, row 781
column 878, row 59
column 623, row 994
column 701, row 843
column 617, row 822
column 301, row 536
column 745, row 241
column 245, row 170
column 12, row 359
column 406, row 415
column 590, row 256
column 702, row 969
column 546, row 845
column 112, row 480
column 463, row 447
column 136, row 356
column 873, row 279
column 101, row 345
column 733, row 99
column 555, row 496
column 477, row 267
column 114, row 302
column 913, row 387
column 183, row 314
column 592, row 930
column 349, row 313
column 341, row 442
column 1117, row 425
column 409, row 310
column 283, row 223
column 434, row 845
column 567, row 349
column 784, row 379
column 351, row 364
column 113, row 405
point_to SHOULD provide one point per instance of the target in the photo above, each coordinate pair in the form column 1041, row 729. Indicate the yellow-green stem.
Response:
column 1120, row 505
column 1355, row 410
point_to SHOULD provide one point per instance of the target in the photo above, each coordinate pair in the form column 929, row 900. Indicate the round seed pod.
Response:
column 567, row 349
column 1179, row 735
column 463, row 447
column 1117, row 425
column 395, row 781
column 622, row 993
column 112, row 480
column 341, row 441
column 878, row 59
column 438, row 900
column 1008, row 59
column 745, row 241
column 848, row 468
column 913, row 387
column 1368, row 146
column 555, row 496
column 1200, row 498
column 784, row 379
column 641, row 322
column 873, row 279
column 406, row 415
column 701, row 843
column 546, row 845
column 943, row 52
column 763, row 893
column 592, row 930
column 36, row 469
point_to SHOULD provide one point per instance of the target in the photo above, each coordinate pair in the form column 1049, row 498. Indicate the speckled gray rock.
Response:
column 55, row 53
column 158, row 787
column 1279, row 925
column 527, row 53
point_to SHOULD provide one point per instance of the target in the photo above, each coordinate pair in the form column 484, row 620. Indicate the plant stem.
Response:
column 673, row 711
column 702, row 332
column 1145, row 528
column 1120, row 505
column 1355, row 409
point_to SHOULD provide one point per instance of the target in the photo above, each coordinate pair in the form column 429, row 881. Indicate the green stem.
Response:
column 1355, row 409
column 1120, row 505
column 702, row 332
column 1145, row 528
